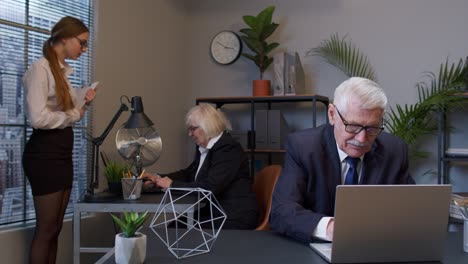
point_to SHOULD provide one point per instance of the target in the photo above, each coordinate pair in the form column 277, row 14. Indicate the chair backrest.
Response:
column 264, row 184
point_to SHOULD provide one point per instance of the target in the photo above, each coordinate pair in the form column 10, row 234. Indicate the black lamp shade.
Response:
column 138, row 118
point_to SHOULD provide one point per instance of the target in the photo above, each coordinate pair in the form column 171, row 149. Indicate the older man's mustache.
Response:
column 356, row 143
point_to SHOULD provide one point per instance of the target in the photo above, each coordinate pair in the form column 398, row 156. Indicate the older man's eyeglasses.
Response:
column 83, row 43
column 356, row 129
column 192, row 129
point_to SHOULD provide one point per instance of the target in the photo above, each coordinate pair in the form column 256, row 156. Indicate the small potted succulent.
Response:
column 260, row 28
column 130, row 245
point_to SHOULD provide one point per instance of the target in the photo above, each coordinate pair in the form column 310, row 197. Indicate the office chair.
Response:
column 264, row 184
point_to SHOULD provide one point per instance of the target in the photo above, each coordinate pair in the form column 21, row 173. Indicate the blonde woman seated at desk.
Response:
column 220, row 166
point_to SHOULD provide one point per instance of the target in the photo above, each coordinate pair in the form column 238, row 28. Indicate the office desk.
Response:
column 255, row 247
column 148, row 202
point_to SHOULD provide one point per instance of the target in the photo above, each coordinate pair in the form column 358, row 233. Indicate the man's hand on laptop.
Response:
column 330, row 227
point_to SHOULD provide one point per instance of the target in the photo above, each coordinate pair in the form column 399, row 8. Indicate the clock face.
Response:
column 226, row 47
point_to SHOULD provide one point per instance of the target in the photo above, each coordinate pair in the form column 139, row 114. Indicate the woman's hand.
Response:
column 150, row 177
column 82, row 111
column 164, row 182
column 149, row 181
column 90, row 95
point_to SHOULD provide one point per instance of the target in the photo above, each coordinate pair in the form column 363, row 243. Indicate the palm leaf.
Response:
column 345, row 56
column 420, row 119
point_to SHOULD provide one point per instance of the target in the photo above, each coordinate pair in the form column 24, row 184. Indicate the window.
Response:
column 24, row 26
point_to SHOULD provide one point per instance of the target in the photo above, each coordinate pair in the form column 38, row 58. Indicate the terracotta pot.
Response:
column 261, row 87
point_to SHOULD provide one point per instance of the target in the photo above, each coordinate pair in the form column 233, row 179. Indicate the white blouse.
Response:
column 40, row 98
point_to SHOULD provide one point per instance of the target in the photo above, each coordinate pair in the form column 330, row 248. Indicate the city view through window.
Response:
column 24, row 26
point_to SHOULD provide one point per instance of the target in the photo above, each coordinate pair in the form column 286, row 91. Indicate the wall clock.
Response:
column 226, row 47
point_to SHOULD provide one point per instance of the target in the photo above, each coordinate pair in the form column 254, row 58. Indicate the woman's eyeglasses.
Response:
column 83, row 43
column 192, row 129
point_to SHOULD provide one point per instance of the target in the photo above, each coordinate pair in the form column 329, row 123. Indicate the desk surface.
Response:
column 242, row 246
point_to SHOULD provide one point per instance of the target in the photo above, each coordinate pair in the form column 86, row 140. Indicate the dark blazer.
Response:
column 225, row 172
column 305, row 191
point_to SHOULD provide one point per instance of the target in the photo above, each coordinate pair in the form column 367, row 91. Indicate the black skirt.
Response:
column 47, row 160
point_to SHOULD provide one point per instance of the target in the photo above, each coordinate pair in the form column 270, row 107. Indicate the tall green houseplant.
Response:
column 260, row 28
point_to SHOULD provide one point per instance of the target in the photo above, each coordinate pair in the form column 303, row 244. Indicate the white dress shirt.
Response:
column 40, row 97
column 321, row 229
column 204, row 151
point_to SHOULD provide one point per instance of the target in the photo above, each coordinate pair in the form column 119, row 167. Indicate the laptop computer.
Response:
column 388, row 223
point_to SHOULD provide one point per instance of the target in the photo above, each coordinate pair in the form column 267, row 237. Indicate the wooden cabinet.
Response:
column 254, row 103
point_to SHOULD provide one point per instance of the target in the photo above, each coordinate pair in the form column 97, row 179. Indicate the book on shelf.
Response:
column 455, row 212
column 462, row 199
column 457, row 151
column 289, row 77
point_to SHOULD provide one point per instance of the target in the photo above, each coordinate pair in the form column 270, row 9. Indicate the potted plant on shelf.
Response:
column 114, row 173
column 260, row 28
column 130, row 245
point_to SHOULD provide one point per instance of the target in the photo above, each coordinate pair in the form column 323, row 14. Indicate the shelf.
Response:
column 455, row 158
column 220, row 101
column 269, row 100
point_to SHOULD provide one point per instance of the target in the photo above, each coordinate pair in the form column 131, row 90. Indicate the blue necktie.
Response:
column 352, row 174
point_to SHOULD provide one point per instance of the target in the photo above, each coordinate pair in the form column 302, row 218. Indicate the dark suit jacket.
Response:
column 225, row 172
column 305, row 191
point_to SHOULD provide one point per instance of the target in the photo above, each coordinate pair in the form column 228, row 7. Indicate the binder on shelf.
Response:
column 277, row 129
column 261, row 129
column 294, row 74
column 243, row 137
column 289, row 78
column 278, row 77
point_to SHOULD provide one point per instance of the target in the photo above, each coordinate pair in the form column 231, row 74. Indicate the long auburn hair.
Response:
column 66, row 27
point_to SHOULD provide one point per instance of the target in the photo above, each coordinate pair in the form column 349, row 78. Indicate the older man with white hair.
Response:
column 352, row 149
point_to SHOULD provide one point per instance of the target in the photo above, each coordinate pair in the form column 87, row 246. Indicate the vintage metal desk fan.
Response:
column 138, row 142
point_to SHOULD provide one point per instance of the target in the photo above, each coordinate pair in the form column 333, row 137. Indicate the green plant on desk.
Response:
column 130, row 245
column 115, row 171
column 130, row 222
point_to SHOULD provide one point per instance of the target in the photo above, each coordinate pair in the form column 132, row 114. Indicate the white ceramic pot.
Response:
column 130, row 250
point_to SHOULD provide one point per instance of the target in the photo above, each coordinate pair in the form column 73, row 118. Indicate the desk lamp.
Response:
column 137, row 119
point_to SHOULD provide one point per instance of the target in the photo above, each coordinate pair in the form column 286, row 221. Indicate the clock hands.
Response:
column 224, row 46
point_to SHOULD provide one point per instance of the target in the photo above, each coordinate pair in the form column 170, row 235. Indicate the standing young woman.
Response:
column 52, row 111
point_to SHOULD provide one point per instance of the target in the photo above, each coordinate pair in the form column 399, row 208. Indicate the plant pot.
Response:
column 131, row 250
column 261, row 87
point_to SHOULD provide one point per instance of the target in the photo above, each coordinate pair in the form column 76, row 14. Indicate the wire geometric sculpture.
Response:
column 188, row 236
